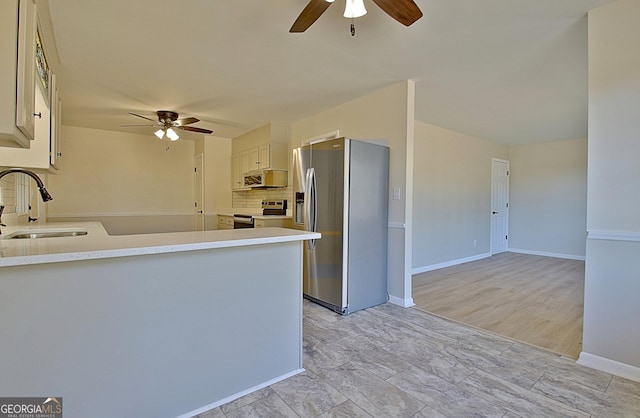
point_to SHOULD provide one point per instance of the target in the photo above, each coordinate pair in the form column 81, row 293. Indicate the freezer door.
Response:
column 367, row 225
column 324, row 203
column 301, row 161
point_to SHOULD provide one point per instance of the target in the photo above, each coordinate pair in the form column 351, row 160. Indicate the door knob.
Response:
column 494, row 212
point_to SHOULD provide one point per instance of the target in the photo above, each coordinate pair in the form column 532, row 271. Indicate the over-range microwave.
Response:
column 266, row 178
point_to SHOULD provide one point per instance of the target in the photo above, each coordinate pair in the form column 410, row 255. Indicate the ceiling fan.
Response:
column 167, row 121
column 404, row 11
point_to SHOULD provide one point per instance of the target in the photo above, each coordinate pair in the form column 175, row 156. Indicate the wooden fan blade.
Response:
column 186, row 121
column 404, row 11
column 194, row 129
column 309, row 14
column 143, row 117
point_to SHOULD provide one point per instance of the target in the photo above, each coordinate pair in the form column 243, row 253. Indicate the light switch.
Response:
column 396, row 193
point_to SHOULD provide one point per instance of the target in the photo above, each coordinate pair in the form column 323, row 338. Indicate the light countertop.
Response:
column 98, row 244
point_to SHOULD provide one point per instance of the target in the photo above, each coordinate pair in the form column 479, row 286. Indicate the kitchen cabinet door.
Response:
column 254, row 159
column 26, row 69
column 264, row 156
column 239, row 166
column 43, row 151
column 272, row 155
column 37, row 156
column 17, row 74
column 266, row 223
column 225, row 222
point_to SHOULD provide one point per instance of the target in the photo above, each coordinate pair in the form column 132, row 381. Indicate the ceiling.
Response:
column 510, row 71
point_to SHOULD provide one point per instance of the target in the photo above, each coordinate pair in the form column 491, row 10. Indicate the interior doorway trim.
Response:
column 198, row 191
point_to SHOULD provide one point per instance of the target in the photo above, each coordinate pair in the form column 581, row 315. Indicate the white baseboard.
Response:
column 239, row 395
column 405, row 303
column 609, row 366
column 548, row 254
column 432, row 267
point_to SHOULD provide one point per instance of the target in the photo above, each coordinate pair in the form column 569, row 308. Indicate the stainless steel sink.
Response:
column 46, row 233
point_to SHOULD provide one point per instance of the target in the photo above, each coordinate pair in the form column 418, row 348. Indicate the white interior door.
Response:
column 499, row 205
column 198, row 185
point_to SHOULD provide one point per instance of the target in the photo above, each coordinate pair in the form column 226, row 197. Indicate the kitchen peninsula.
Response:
column 149, row 325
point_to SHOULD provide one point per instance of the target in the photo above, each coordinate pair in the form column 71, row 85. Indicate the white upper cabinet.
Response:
column 41, row 97
column 239, row 166
column 265, row 147
column 273, row 156
column 17, row 73
column 260, row 157
column 37, row 155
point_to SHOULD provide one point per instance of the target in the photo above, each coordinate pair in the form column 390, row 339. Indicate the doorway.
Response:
column 499, row 205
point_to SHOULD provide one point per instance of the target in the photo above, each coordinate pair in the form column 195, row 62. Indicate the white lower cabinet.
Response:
column 225, row 222
column 266, row 223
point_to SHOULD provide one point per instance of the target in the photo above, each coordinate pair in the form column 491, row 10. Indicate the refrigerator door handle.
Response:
column 311, row 206
column 305, row 215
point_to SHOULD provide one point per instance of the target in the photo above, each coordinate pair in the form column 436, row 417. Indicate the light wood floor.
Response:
column 533, row 299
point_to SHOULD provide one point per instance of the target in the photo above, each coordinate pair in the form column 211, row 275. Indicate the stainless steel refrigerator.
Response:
column 341, row 189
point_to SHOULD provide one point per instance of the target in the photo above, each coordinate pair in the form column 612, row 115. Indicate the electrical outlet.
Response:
column 474, row 243
column 396, row 193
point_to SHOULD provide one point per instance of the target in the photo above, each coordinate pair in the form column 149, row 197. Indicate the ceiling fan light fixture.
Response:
column 354, row 8
column 329, row 1
column 172, row 135
column 159, row 133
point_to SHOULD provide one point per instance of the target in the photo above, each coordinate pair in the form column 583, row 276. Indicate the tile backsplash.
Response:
column 8, row 185
column 253, row 198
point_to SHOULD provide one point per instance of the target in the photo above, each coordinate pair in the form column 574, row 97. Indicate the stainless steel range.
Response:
column 274, row 207
column 270, row 207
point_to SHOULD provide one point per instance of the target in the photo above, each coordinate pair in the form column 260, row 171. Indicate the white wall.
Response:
column 387, row 114
column 217, row 173
column 125, row 178
column 548, row 198
column 452, row 195
column 216, row 152
column 612, row 280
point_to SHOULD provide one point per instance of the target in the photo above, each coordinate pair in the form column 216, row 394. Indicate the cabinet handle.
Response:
column 38, row 115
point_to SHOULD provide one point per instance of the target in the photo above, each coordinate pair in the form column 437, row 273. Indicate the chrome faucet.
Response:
column 43, row 192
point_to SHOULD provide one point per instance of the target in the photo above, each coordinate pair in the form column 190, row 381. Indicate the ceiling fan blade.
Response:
column 194, row 129
column 309, row 14
column 404, row 11
column 143, row 117
column 129, row 126
column 186, row 121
